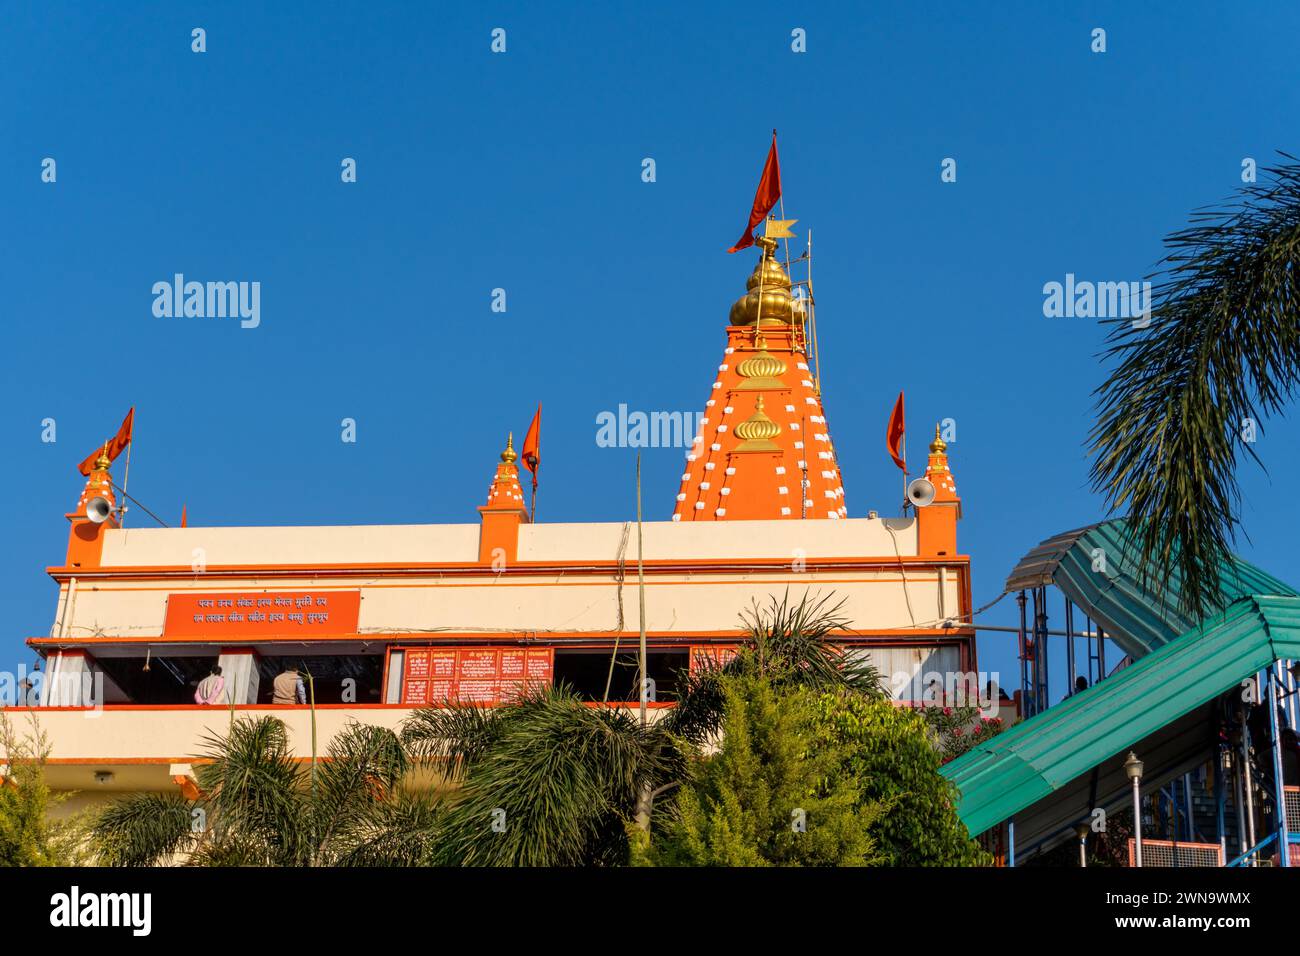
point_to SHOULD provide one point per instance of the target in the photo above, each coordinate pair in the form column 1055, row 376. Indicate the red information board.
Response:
column 473, row 675
column 234, row 614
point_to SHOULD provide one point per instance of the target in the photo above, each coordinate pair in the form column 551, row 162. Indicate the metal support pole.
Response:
column 1248, row 784
column 1069, row 647
column 1187, row 799
column 1024, row 662
column 1011, row 842
column 1038, row 651
column 1239, row 800
column 1219, row 835
column 1088, row 646
column 1101, row 653
column 1040, row 644
column 1279, row 792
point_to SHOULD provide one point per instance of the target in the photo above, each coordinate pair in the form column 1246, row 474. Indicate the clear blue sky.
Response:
column 522, row 171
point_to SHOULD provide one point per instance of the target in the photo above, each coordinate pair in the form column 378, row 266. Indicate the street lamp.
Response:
column 1133, row 767
column 1081, row 830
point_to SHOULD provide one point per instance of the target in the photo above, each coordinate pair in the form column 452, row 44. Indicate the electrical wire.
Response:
column 901, row 570
column 137, row 503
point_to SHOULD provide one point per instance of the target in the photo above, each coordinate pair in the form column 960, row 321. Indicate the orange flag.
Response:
column 769, row 191
column 532, row 453
column 113, row 447
column 894, row 435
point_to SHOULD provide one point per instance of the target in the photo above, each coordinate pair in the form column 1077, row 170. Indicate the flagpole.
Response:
column 532, row 509
column 904, row 436
column 640, row 584
column 812, row 318
column 126, row 475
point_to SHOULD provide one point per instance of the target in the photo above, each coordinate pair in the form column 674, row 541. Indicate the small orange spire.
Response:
column 505, row 490
column 99, row 484
column 504, row 513
column 938, row 472
column 937, row 521
column 96, row 513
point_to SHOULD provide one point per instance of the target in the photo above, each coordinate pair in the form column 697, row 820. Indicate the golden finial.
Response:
column 103, row 462
column 757, row 431
column 509, row 456
column 770, row 283
column 938, row 446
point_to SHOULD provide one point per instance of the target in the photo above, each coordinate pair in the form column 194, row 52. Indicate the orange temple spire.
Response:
column 764, row 450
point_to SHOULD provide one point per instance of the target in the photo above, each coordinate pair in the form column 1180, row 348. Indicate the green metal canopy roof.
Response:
column 1036, row 758
column 1099, row 569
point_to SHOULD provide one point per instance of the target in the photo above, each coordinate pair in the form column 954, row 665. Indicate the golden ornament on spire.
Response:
column 103, row 462
column 938, row 446
column 757, row 431
column 769, row 282
column 509, row 456
column 762, row 370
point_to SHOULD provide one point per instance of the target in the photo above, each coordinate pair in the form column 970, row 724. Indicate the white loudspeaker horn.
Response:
column 97, row 510
column 920, row 492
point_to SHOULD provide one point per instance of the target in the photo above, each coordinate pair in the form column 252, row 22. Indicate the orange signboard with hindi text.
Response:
column 473, row 675
column 237, row 614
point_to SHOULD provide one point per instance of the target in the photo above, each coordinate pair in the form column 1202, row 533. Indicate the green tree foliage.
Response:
column 773, row 794
column 29, row 835
column 787, row 644
column 891, row 751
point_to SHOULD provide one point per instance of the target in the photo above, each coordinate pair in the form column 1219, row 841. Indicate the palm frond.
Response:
column 456, row 734
column 557, row 786
column 403, row 831
column 1222, row 346
column 364, row 763
column 144, row 829
column 252, row 786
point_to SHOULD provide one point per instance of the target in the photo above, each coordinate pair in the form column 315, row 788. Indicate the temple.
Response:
column 384, row 619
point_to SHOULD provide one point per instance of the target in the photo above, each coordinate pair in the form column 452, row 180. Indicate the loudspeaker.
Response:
column 97, row 510
column 920, row 492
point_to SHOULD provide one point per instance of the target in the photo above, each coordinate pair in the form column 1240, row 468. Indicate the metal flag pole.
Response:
column 812, row 319
column 640, row 586
column 126, row 476
column 904, row 444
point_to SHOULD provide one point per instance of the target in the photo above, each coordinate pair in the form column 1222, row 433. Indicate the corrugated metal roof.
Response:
column 1037, row 757
column 1098, row 568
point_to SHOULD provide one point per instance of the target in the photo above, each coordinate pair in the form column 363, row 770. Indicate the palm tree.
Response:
column 546, row 781
column 259, row 808
column 1222, row 346
column 554, row 782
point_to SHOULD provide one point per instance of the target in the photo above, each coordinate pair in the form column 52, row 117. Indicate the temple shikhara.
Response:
column 389, row 618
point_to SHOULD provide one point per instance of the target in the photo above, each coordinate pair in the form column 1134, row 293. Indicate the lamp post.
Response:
column 1133, row 767
column 1081, row 830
